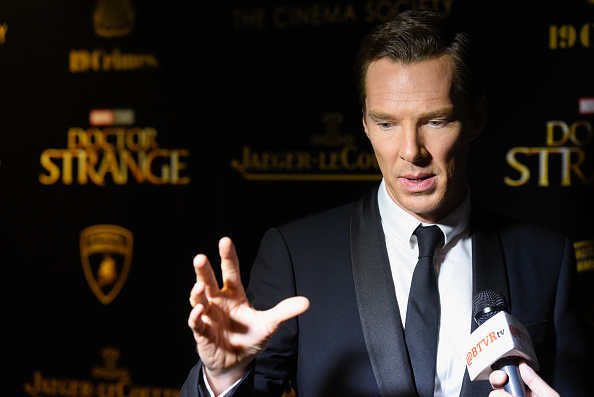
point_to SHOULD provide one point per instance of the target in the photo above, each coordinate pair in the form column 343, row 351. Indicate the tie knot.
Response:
column 428, row 238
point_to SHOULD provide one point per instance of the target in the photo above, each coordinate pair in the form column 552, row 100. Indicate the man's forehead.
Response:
column 429, row 80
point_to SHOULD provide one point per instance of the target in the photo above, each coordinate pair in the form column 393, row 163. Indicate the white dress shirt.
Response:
column 453, row 264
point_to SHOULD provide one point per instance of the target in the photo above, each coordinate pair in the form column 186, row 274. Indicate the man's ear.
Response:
column 480, row 117
column 365, row 125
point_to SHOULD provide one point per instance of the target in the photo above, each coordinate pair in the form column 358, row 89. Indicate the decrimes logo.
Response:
column 112, row 20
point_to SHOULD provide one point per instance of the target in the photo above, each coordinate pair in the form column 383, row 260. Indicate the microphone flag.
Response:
column 499, row 337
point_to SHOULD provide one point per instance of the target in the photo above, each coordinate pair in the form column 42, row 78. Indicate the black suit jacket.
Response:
column 350, row 342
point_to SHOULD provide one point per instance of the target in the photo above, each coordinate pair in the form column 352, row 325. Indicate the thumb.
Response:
column 285, row 310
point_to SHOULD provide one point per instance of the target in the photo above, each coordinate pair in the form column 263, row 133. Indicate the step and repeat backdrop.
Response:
column 135, row 134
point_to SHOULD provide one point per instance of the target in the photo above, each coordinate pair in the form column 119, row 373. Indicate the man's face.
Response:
column 420, row 134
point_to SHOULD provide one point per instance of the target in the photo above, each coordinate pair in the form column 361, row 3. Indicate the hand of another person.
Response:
column 537, row 387
column 229, row 332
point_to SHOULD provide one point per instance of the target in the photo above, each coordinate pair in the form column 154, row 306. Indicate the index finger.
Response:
column 205, row 274
column 535, row 382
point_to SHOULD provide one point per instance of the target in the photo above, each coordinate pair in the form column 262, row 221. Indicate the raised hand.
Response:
column 229, row 332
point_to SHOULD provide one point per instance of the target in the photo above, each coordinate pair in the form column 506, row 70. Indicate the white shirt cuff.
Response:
column 228, row 390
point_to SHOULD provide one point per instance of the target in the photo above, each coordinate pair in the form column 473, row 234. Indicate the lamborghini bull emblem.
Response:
column 106, row 255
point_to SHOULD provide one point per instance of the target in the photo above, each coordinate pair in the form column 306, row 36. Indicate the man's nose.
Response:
column 412, row 148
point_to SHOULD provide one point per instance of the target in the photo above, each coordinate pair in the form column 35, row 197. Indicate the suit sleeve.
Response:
column 572, row 348
column 191, row 387
column 272, row 280
column 194, row 385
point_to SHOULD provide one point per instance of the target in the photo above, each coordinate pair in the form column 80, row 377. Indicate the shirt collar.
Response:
column 402, row 225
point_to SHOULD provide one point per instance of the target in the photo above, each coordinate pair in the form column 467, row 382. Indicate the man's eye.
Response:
column 384, row 125
column 437, row 123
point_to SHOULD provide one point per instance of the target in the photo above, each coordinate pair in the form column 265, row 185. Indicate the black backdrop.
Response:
column 257, row 122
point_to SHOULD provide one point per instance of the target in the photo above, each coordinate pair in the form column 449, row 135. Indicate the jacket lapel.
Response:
column 488, row 273
column 376, row 299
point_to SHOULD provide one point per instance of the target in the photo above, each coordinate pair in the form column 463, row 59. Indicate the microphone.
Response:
column 500, row 342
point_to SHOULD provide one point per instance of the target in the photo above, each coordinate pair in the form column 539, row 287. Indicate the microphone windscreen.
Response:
column 486, row 304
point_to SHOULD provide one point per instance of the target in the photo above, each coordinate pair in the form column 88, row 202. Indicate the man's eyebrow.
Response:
column 379, row 115
column 443, row 112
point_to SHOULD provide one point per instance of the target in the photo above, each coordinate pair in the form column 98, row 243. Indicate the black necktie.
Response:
column 422, row 315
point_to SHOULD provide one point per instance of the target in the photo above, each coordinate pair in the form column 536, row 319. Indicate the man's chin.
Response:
column 426, row 212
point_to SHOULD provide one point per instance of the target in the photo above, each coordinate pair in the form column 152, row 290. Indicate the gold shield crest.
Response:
column 106, row 256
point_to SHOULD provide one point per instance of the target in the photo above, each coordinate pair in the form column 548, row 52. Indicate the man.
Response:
column 347, row 272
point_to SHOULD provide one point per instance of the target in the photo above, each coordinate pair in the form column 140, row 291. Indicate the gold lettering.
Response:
column 284, row 164
column 109, row 164
column 77, row 138
column 575, row 167
column 567, row 36
column 66, row 167
column 96, row 60
column 250, row 19
column 543, row 158
column 345, row 157
column 331, row 163
column 76, row 62
column 122, row 386
column 34, row 389
column 85, row 389
column 48, row 165
column 152, row 178
column 585, row 35
column 136, row 139
column 315, row 15
column 95, row 139
column 119, row 134
column 561, row 36
column 177, row 166
column 515, row 164
column 568, row 166
column 303, row 161
column 362, row 162
column 137, row 169
column 86, row 167
column 99, row 60
column 551, row 133
column 569, row 133
column 57, row 387
column 95, row 153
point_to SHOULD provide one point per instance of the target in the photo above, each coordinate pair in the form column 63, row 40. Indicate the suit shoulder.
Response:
column 526, row 242
column 527, row 233
column 514, row 228
column 334, row 218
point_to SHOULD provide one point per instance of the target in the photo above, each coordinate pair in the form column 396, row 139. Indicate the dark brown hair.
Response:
column 417, row 36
